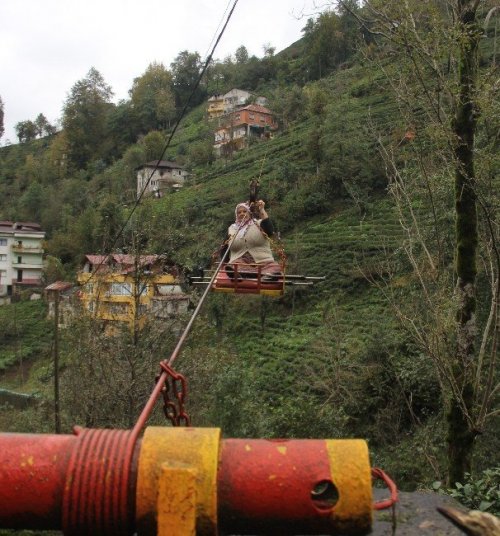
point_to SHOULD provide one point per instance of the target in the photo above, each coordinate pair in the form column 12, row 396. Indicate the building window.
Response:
column 19, row 260
column 3, row 241
column 121, row 289
column 19, row 276
column 3, row 257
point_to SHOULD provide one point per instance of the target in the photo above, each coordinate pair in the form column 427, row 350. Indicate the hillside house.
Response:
column 165, row 176
column 128, row 289
column 234, row 98
column 21, row 256
column 215, row 106
column 242, row 124
column 218, row 104
column 240, row 97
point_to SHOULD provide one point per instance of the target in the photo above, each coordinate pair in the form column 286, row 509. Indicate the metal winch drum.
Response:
column 183, row 481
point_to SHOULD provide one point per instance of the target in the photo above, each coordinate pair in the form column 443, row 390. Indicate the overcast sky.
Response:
column 48, row 45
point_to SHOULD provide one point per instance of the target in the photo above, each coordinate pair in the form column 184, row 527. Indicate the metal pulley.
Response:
column 183, row 481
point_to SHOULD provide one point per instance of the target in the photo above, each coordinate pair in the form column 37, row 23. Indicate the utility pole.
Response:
column 19, row 355
column 57, row 414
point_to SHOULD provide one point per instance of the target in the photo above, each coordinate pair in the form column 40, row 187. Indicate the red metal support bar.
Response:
column 148, row 408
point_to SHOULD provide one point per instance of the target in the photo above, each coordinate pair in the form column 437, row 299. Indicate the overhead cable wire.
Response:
column 217, row 29
column 207, row 62
column 167, row 145
column 143, row 417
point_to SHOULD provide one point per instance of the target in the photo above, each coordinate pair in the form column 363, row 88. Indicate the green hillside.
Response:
column 23, row 334
column 359, row 182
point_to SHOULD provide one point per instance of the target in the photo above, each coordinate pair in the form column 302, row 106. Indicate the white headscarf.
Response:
column 242, row 227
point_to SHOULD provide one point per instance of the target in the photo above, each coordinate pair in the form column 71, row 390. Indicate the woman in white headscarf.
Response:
column 251, row 244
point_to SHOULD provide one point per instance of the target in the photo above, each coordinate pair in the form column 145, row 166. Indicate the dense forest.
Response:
column 383, row 177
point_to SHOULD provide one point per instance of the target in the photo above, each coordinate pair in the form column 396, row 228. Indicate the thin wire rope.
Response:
column 217, row 29
column 274, row 244
column 205, row 56
column 178, row 121
column 143, row 417
column 262, row 164
column 167, row 145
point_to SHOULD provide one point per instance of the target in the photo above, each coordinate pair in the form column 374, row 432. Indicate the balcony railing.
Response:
column 21, row 248
column 27, row 265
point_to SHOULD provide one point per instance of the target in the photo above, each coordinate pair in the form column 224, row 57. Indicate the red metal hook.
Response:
column 377, row 473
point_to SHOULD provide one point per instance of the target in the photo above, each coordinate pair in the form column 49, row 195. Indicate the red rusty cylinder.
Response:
column 83, row 484
column 87, row 484
column 294, row 487
column 32, row 475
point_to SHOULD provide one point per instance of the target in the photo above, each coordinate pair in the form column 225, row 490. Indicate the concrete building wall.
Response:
column 160, row 180
column 21, row 257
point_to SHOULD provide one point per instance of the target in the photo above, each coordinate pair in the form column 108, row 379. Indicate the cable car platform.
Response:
column 252, row 279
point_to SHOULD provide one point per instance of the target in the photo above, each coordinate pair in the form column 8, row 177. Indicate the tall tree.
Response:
column 461, row 434
column 288, row 103
column 153, row 99
column 153, row 143
column 44, row 128
column 269, row 50
column 241, row 55
column 123, row 124
column 110, row 219
column 331, row 39
column 186, row 69
column 31, row 201
column 85, row 115
column 349, row 29
column 322, row 44
column 26, row 131
column 441, row 90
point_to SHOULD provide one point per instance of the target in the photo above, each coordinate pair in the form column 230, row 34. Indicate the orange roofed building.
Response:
column 240, row 125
